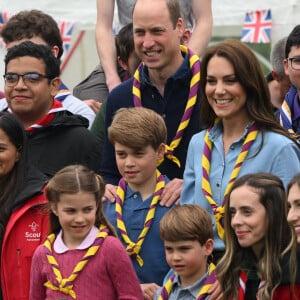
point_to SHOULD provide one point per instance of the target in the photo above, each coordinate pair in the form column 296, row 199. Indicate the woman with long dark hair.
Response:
column 23, row 222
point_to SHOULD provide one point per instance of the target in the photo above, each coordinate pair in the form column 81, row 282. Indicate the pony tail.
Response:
column 101, row 217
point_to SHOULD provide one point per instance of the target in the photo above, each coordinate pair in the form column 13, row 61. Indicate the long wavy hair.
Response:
column 13, row 182
column 71, row 180
column 250, row 75
column 279, row 239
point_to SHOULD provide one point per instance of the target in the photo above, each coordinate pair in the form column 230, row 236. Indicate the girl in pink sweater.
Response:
column 82, row 258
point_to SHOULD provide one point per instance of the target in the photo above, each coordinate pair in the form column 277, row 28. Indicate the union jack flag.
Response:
column 4, row 16
column 257, row 27
column 66, row 29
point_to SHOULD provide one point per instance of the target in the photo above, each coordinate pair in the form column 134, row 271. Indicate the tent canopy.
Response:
column 228, row 16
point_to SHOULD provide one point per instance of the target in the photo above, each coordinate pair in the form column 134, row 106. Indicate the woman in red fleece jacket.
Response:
column 23, row 224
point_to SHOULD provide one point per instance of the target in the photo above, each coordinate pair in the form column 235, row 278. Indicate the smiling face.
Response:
column 225, row 94
column 294, row 209
column 248, row 218
column 138, row 167
column 77, row 215
column 188, row 259
column 293, row 74
column 30, row 101
column 8, row 154
column 155, row 38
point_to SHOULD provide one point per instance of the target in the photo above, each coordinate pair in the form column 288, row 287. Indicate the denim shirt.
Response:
column 183, row 293
column 270, row 152
column 152, row 252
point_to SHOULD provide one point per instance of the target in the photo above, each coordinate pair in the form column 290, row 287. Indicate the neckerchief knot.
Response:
column 133, row 248
column 65, row 285
column 218, row 211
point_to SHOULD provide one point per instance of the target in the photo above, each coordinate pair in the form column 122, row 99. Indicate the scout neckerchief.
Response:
column 206, row 158
column 211, row 278
column 62, row 93
column 191, row 102
column 46, row 119
column 65, row 285
column 242, row 285
column 289, row 107
column 133, row 248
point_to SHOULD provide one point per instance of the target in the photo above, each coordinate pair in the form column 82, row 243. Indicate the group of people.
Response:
column 182, row 184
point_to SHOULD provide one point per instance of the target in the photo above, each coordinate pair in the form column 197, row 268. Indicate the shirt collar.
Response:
column 217, row 130
column 194, row 288
column 182, row 72
column 60, row 247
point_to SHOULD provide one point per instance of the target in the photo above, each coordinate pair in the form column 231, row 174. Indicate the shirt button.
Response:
column 135, row 196
column 218, row 184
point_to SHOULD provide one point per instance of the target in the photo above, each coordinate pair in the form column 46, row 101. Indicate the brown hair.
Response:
column 249, row 74
column 71, row 180
column 277, row 242
column 186, row 222
column 137, row 127
column 173, row 8
column 29, row 23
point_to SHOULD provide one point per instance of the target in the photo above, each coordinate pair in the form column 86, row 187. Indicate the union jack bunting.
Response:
column 66, row 29
column 257, row 27
column 4, row 16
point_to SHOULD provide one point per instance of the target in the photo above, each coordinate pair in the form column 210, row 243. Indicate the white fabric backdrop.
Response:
column 228, row 20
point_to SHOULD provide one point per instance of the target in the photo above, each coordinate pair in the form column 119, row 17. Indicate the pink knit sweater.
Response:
column 108, row 275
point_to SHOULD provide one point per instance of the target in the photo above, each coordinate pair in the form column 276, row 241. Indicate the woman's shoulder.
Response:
column 197, row 138
column 275, row 137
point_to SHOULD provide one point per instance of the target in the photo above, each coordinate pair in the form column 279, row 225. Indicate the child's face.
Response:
column 138, row 167
column 77, row 215
column 293, row 74
column 188, row 259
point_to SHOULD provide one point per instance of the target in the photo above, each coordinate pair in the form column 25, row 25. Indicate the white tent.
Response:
column 228, row 20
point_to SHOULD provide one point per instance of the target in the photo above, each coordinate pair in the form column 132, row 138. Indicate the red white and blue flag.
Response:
column 65, row 27
column 4, row 17
column 66, row 30
column 257, row 27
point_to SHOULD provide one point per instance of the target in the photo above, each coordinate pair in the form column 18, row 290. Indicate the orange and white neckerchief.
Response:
column 206, row 188
column 194, row 62
column 65, row 285
column 242, row 286
column 133, row 248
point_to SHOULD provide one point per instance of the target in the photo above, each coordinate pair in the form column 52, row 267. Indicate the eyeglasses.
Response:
column 12, row 79
column 295, row 62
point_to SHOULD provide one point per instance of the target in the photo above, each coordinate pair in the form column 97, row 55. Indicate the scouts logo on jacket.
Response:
column 33, row 235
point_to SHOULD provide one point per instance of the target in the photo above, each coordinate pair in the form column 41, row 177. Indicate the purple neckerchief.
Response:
column 296, row 108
